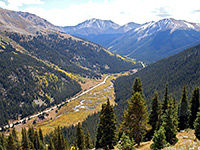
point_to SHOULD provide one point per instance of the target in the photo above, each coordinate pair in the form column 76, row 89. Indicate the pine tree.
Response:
column 125, row 143
column 87, row 140
column 51, row 146
column 159, row 139
column 170, row 123
column 183, row 111
column 25, row 142
column 31, row 136
column 80, row 142
column 166, row 99
column 197, row 126
column 11, row 143
column 59, row 139
column 106, row 135
column 195, row 104
column 36, row 141
column 55, row 138
column 41, row 135
column 154, row 114
column 135, row 119
column 2, row 141
column 137, row 87
column 14, row 134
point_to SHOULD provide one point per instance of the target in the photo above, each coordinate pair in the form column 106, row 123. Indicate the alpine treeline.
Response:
column 160, row 125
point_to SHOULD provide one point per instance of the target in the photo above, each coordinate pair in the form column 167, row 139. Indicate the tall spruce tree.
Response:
column 25, row 141
column 51, row 145
column 41, row 135
column 36, row 141
column 135, row 119
column 3, row 141
column 80, row 137
column 166, row 99
column 154, row 115
column 14, row 134
column 195, row 104
column 183, row 111
column 11, row 143
column 87, row 140
column 197, row 126
column 170, row 123
column 137, row 87
column 106, row 134
column 31, row 136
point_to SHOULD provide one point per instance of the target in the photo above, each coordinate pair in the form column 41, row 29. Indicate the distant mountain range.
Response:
column 39, row 63
column 102, row 32
column 148, row 42
column 98, row 26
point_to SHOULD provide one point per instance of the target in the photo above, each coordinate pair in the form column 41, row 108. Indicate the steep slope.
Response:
column 23, row 23
column 40, row 66
column 44, row 40
column 182, row 68
column 177, row 70
column 39, row 22
column 127, row 27
column 99, row 31
column 28, row 85
column 75, row 56
column 92, row 26
column 156, row 40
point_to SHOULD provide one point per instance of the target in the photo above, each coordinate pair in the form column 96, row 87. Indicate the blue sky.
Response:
column 72, row 12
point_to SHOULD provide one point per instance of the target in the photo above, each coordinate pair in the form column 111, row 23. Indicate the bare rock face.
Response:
column 24, row 23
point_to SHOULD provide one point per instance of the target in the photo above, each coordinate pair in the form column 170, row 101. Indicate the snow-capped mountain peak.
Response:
column 171, row 24
column 98, row 24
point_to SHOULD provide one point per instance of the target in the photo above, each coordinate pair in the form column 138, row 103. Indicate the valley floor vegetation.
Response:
column 161, row 125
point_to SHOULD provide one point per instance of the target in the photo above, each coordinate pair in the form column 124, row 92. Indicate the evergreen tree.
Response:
column 51, row 146
column 3, row 141
column 14, row 134
column 31, row 136
column 197, row 126
column 55, row 138
column 36, row 141
column 195, row 104
column 183, row 111
column 25, row 142
column 63, row 143
column 11, row 143
column 106, row 135
column 59, row 139
column 135, row 119
column 125, row 143
column 159, row 139
column 41, row 135
column 154, row 114
column 170, row 123
column 137, row 87
column 166, row 99
column 87, row 140
column 80, row 142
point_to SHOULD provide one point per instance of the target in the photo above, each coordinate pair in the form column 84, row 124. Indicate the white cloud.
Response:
column 15, row 4
column 119, row 11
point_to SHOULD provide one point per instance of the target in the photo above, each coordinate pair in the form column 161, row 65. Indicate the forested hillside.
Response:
column 178, row 70
column 73, row 55
column 28, row 85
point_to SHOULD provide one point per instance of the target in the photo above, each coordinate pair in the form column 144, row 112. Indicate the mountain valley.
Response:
column 47, row 62
column 98, row 84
